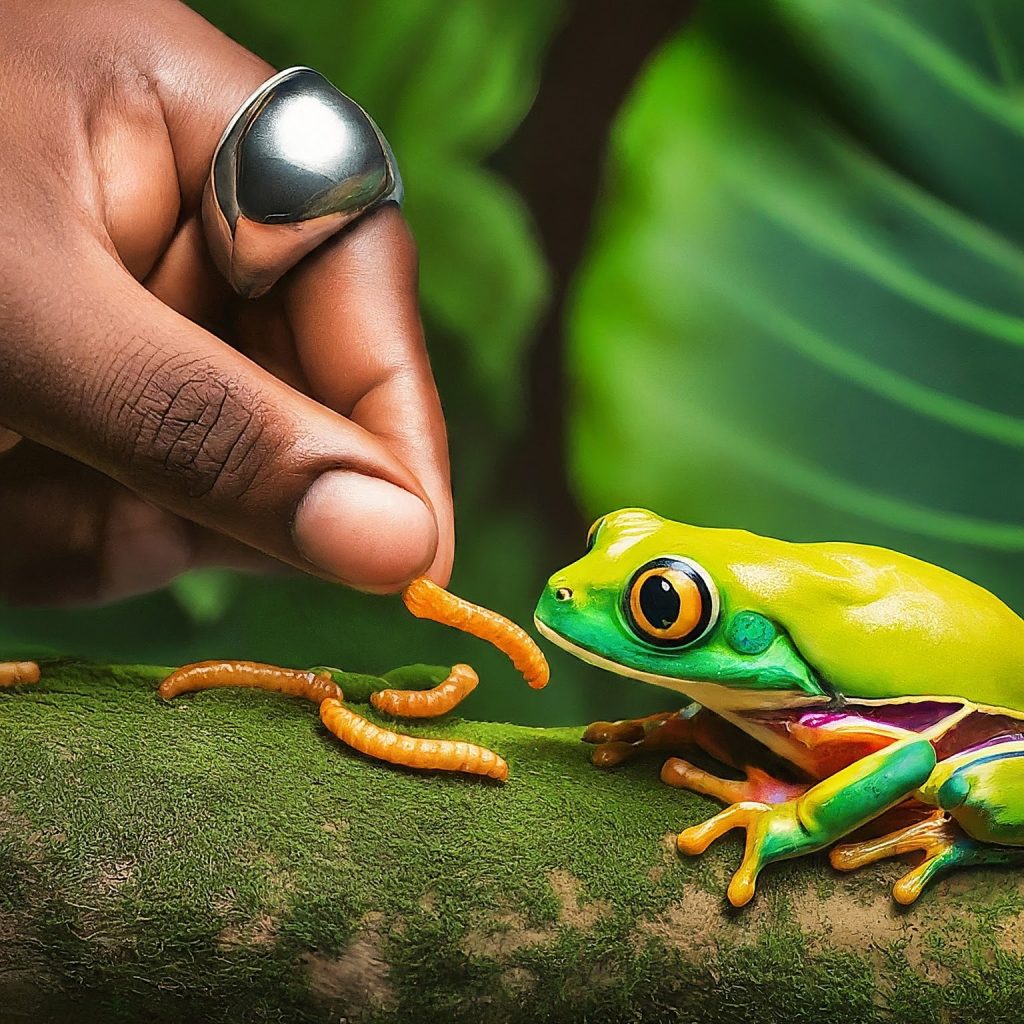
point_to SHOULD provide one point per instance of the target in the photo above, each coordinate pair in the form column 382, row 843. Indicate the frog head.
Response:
column 664, row 603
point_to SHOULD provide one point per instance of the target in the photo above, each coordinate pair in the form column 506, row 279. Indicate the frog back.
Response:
column 873, row 623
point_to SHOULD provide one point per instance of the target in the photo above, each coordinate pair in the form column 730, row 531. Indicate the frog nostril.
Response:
column 563, row 594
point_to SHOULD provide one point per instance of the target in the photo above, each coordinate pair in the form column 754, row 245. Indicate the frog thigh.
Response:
column 984, row 791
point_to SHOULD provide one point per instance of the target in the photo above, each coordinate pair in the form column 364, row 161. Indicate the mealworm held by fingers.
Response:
column 426, row 600
column 439, row 700
column 15, row 673
column 208, row 675
column 409, row 751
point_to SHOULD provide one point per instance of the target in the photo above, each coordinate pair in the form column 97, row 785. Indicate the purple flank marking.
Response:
column 912, row 716
column 975, row 732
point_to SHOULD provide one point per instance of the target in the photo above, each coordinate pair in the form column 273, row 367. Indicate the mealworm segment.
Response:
column 16, row 673
column 353, row 730
column 426, row 600
column 439, row 700
column 209, row 675
column 410, row 751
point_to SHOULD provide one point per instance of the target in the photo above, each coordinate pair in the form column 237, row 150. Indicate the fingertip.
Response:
column 365, row 531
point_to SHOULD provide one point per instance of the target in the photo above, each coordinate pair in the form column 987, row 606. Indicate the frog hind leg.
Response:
column 827, row 811
column 979, row 820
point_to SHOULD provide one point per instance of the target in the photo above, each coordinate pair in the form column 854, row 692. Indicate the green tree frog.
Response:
column 847, row 685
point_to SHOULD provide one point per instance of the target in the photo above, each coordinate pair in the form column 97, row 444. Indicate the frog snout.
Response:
column 557, row 601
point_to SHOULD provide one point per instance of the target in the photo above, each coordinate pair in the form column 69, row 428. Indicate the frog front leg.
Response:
column 823, row 814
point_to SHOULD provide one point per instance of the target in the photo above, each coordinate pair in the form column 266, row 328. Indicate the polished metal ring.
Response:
column 298, row 162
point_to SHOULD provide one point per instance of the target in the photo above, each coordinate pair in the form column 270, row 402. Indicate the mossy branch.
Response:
column 222, row 858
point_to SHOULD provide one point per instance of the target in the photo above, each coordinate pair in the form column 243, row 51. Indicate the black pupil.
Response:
column 659, row 602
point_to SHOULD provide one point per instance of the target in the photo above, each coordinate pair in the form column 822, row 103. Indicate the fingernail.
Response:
column 364, row 531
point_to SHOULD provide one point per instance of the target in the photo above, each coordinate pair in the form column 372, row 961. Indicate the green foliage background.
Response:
column 802, row 310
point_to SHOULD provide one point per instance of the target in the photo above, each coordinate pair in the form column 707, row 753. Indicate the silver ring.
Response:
column 298, row 162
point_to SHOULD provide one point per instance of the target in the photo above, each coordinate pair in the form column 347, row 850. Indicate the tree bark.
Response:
column 223, row 858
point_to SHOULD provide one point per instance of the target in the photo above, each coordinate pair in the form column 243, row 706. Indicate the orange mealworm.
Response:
column 14, row 673
column 410, row 751
column 427, row 600
column 461, row 682
column 207, row 675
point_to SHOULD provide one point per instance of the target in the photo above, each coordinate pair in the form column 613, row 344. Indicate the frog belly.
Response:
column 823, row 741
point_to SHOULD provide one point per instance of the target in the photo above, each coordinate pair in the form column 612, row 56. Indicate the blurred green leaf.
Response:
column 206, row 594
column 803, row 311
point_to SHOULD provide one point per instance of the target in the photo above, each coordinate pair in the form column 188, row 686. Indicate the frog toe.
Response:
column 930, row 836
column 629, row 731
column 759, row 821
column 757, row 785
column 773, row 832
column 697, row 838
column 620, row 741
column 613, row 753
column 942, row 841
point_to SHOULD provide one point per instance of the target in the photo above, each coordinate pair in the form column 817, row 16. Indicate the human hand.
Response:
column 155, row 421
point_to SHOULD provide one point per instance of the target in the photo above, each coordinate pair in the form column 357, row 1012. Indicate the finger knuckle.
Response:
column 176, row 418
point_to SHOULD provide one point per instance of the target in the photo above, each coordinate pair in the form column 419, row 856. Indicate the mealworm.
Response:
column 207, row 675
column 427, row 600
column 14, row 673
column 461, row 682
column 411, row 751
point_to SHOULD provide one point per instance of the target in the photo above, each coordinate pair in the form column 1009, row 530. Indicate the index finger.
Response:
column 353, row 310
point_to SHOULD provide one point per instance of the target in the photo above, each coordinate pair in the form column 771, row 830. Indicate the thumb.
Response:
column 101, row 370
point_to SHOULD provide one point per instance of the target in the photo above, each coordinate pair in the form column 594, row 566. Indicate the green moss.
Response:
column 222, row 857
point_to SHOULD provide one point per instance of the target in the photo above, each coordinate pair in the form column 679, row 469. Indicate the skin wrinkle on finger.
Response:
column 257, row 446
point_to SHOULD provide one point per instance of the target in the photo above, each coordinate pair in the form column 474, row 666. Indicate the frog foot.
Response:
column 773, row 832
column 944, row 844
column 618, row 742
column 758, row 786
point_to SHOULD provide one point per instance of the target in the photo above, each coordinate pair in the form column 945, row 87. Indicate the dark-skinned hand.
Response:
column 152, row 420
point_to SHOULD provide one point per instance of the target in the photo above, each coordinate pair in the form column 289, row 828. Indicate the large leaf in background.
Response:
column 803, row 312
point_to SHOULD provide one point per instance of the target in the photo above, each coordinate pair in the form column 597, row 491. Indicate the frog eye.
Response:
column 671, row 602
column 592, row 533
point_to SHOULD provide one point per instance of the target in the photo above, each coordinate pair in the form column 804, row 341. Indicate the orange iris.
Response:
column 666, row 603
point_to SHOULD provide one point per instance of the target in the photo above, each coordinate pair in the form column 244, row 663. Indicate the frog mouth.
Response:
column 714, row 696
column 597, row 660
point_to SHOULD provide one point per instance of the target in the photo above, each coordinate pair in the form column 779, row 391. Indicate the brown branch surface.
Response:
column 223, row 858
